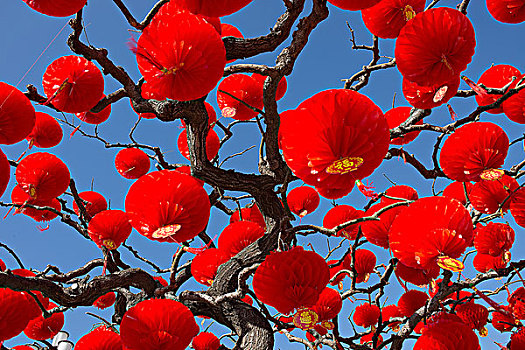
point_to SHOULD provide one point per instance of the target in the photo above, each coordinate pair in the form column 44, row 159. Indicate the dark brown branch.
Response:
column 411, row 159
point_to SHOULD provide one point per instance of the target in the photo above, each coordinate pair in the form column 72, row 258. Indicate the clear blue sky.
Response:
column 326, row 60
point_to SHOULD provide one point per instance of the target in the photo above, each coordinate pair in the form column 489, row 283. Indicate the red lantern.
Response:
column 18, row 196
column 474, row 151
column 484, row 262
column 34, row 309
column 507, row 11
column 132, row 163
column 251, row 213
column 513, row 108
column 5, row 172
column 214, row 8
column 446, row 335
column 456, row 190
column 180, row 55
column 15, row 309
column 376, row 232
column 213, row 144
column 206, row 341
column 419, row 277
column 474, row 315
column 17, row 115
column 517, row 340
column 158, row 324
column 244, row 88
column 395, row 117
column 204, row 266
column 168, row 206
column 46, row 133
column 102, row 338
column 401, row 192
column 503, row 322
column 419, row 238
column 388, row 312
column 187, row 170
column 282, row 85
column 333, row 139
column 517, row 303
column 178, row 6
column 353, row 5
column 366, row 315
column 329, row 304
column 494, row 239
column 105, row 301
column 339, row 215
column 303, row 200
column 433, row 95
column 95, row 118
column 386, row 19
column 435, row 47
column 41, row 328
column 56, row 8
column 487, row 195
column 73, row 84
column 237, row 236
column 411, row 301
column 230, row 30
column 95, row 203
column 291, row 279
column 496, row 77
column 517, row 207
column 109, row 228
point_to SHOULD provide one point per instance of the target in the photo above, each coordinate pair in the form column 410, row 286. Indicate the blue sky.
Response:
column 326, row 60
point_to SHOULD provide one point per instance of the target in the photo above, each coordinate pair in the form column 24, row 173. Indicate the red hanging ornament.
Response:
column 179, row 6
column 328, row 305
column 387, row 18
column 41, row 328
column 484, row 262
column 435, row 47
column 95, row 118
column 95, row 203
column 5, row 172
column 389, row 312
column 341, row 214
column 303, row 200
column 419, row 277
column 366, row 315
column 109, row 228
column 456, row 190
column 168, row 206
column 158, row 324
column 17, row 115
column 244, row 88
column 517, row 340
column 15, row 312
column 434, row 95
column 132, row 163
column 376, row 232
column 397, row 116
column 474, row 315
column 401, row 192
column 487, row 196
column 411, row 301
column 105, row 301
column 513, row 107
column 73, row 84
column 446, row 335
column 353, row 5
column 206, row 341
column 101, row 338
column 213, row 144
column 204, row 266
column 507, row 11
column 496, row 77
column 494, row 239
column 517, row 207
column 46, row 133
column 517, row 303
column 56, row 8
column 251, row 213
column 18, row 196
column 237, row 236
column 503, row 322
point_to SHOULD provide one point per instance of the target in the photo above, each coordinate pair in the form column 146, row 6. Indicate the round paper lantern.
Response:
column 366, row 315
column 34, row 310
column 419, row 238
column 230, row 30
column 507, row 11
column 303, row 200
column 95, row 203
column 41, row 328
column 244, row 88
column 397, row 116
column 282, row 85
column 484, row 262
column 178, row 6
column 339, row 215
column 411, row 301
column 435, row 47
column 376, row 232
column 496, row 77
column 517, row 340
column 109, row 228
column 328, row 305
column 503, row 322
column 46, row 133
column 180, row 55
column 213, row 144
column 365, row 263
column 494, row 239
column 56, row 8
column 105, row 301
column 487, row 195
column 132, row 163
column 101, row 338
column 446, row 335
column 474, row 315
column 513, row 107
column 214, row 8
column 474, row 151
column 401, row 192
column 204, row 266
column 419, row 277
column 291, row 279
column 434, row 95
column 17, row 115
column 517, row 303
column 456, row 190
column 353, row 5
column 517, row 207
column 18, row 196
column 386, row 19
column 333, row 139
column 206, row 341
column 15, row 309
column 73, row 84
column 251, row 213
column 388, row 312
column 168, row 206
column 95, row 118
column 238, row 235
column 158, row 324
column 5, row 172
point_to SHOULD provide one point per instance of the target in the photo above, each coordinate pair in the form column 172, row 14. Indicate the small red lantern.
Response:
column 105, row 301
column 388, row 312
column 41, row 328
column 303, row 200
column 5, row 172
column 419, row 277
column 484, row 262
column 95, row 118
column 513, row 107
column 401, row 192
column 214, row 8
column 109, row 228
column 456, row 190
column 376, row 232
column 517, row 340
column 474, row 315
column 353, row 5
column 387, row 18
column 496, row 77
column 507, row 11
column 73, row 84
column 339, row 215
column 18, row 196
column 213, row 144
column 487, row 195
column 56, row 8
column 494, row 239
column 503, row 322
column 395, row 117
column 168, row 206
column 15, row 309
column 434, row 95
column 46, row 133
column 244, row 88
column 132, row 163
column 251, row 213
column 206, row 341
column 237, row 236
column 17, row 115
column 411, row 301
column 158, row 324
column 517, row 207
column 474, row 152
column 101, row 338
column 204, row 266
column 517, row 303
column 95, row 203
column 329, row 304
column 366, row 315
column 435, row 47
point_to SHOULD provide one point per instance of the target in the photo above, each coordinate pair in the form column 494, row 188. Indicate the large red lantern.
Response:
column 73, row 84
column 291, row 279
column 419, row 238
column 213, row 144
column 474, row 151
column 237, row 236
column 158, row 324
column 445, row 335
column 42, row 175
column 101, row 338
column 180, row 55
column 206, row 341
column 17, row 115
column 214, row 8
column 95, row 203
column 366, row 315
column 386, row 19
column 5, row 172
column 433, row 95
column 496, row 77
column 41, row 328
column 507, row 11
column 46, row 133
column 484, row 262
column 333, row 139
column 204, row 266
column 503, row 322
column 56, row 8
column 488, row 195
column 303, row 200
column 353, row 5
column 419, row 277
column 132, row 163
column 168, row 206
column 109, row 228
column 15, row 309
column 435, row 47
column 339, row 215
column 244, row 88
